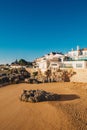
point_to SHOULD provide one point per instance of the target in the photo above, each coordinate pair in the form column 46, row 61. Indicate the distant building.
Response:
column 79, row 54
column 16, row 66
column 53, row 55
column 73, row 59
column 51, row 60
column 78, row 59
column 74, row 64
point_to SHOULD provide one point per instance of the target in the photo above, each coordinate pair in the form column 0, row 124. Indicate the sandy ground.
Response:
column 68, row 113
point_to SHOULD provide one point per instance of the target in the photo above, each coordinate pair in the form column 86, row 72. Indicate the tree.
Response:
column 22, row 62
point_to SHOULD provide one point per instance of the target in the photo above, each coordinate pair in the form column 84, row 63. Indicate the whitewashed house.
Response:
column 74, row 64
column 73, row 59
column 54, row 55
column 79, row 59
column 16, row 66
column 52, row 60
column 79, row 54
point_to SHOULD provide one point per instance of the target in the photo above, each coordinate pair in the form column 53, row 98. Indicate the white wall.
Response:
column 17, row 67
column 55, row 64
column 76, row 64
column 42, row 65
column 73, row 53
column 85, row 53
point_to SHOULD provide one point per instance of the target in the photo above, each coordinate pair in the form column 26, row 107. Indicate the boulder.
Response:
column 38, row 96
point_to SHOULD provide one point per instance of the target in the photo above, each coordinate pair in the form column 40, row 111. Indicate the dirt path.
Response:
column 69, row 113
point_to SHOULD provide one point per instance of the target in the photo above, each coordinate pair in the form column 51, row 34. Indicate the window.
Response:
column 66, row 66
column 78, row 65
column 54, row 64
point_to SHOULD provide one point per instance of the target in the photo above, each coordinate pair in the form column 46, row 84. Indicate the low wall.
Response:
column 80, row 76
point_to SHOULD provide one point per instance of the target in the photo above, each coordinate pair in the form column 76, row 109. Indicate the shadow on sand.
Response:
column 65, row 97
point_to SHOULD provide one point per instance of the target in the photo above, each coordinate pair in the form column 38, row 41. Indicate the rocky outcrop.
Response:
column 38, row 96
column 13, row 76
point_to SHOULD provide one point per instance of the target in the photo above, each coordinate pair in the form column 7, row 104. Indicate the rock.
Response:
column 22, row 97
column 32, row 81
column 38, row 96
column 31, row 99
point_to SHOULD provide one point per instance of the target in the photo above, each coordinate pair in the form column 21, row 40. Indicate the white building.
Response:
column 79, row 59
column 74, row 64
column 55, row 55
column 78, row 54
column 43, row 65
column 16, row 66
column 74, row 59
column 52, row 60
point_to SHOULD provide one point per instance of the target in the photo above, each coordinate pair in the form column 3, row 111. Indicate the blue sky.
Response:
column 31, row 28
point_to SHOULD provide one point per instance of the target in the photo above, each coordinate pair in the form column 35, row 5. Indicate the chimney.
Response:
column 78, row 48
column 72, row 49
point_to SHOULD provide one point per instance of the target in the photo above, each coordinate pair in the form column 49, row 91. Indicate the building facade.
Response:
column 78, row 54
column 73, row 59
column 49, row 61
column 74, row 64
